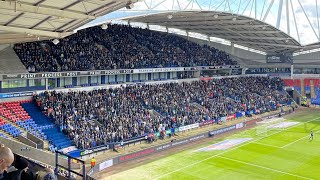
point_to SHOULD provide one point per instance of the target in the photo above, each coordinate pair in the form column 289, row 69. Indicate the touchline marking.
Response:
column 298, row 140
column 263, row 167
column 267, row 145
column 236, row 147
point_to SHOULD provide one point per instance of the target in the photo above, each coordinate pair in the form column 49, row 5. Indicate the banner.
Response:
column 68, row 149
column 137, row 154
column 187, row 127
column 206, row 123
column 235, row 70
column 223, row 130
column 240, row 125
column 223, row 119
column 95, row 150
column 252, row 122
column 105, row 164
column 279, row 58
column 231, row 117
column 153, row 70
column 12, row 95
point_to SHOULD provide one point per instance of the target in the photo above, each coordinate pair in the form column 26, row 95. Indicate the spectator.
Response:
column 6, row 159
column 139, row 110
column 22, row 171
column 46, row 174
column 118, row 47
column 93, row 162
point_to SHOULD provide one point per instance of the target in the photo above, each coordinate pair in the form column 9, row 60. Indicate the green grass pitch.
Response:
column 280, row 154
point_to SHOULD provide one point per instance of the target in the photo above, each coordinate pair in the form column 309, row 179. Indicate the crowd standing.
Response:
column 134, row 111
column 118, row 47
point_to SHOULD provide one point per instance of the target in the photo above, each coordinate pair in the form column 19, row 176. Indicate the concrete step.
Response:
column 8, row 135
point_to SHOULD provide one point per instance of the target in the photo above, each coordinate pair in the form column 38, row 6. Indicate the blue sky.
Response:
column 253, row 8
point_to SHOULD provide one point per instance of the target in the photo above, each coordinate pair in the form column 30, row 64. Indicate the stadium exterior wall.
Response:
column 243, row 54
column 128, row 157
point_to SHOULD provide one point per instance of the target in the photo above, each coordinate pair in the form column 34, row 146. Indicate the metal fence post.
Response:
column 69, row 172
column 56, row 170
column 84, row 171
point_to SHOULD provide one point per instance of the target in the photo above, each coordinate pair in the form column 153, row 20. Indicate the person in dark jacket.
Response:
column 22, row 171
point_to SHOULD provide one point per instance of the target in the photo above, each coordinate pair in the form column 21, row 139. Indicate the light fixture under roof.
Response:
column 104, row 26
column 234, row 19
column 263, row 27
column 55, row 41
column 170, row 16
column 216, row 16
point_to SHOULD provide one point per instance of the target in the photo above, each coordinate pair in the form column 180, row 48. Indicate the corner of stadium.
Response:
column 159, row 89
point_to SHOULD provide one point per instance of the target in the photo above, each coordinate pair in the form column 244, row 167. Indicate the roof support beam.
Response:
column 22, row 40
column 21, row 7
column 267, row 44
column 214, row 31
column 308, row 20
column 279, row 14
column 266, row 14
column 207, row 21
column 295, row 22
column 72, row 4
column 177, row 18
column 44, row 20
column 318, row 17
column 264, row 3
column 277, row 49
column 35, row 32
column 249, row 32
column 288, row 18
column 39, row 2
column 199, row 26
column 13, row 19
column 258, row 38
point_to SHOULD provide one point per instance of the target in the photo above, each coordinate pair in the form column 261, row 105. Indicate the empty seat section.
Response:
column 50, row 131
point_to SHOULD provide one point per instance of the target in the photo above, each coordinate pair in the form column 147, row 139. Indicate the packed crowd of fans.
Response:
column 134, row 111
column 118, row 47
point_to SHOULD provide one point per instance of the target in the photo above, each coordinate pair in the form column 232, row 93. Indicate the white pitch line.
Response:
column 266, row 145
column 298, row 140
column 263, row 167
column 236, row 147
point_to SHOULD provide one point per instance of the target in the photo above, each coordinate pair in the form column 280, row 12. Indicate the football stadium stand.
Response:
column 74, row 84
column 123, row 112
column 118, row 47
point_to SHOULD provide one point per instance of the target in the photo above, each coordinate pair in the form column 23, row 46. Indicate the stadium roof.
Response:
column 299, row 19
column 32, row 20
column 235, row 28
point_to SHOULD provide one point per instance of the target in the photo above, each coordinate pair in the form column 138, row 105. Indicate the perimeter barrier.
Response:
column 135, row 155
